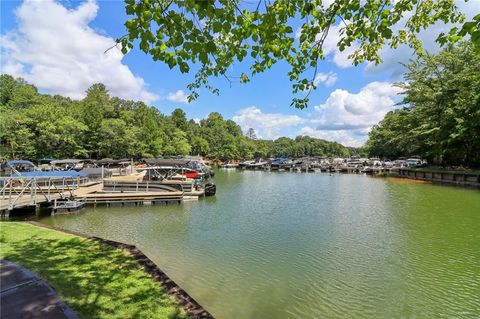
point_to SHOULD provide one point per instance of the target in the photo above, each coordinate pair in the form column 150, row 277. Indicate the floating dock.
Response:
column 63, row 195
column 135, row 198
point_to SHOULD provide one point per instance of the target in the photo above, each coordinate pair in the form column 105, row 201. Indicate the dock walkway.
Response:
column 19, row 192
column 66, row 194
column 26, row 200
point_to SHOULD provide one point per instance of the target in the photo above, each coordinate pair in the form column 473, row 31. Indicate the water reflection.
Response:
column 286, row 245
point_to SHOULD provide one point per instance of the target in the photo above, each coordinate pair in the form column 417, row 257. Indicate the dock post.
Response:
column 10, row 193
column 35, row 193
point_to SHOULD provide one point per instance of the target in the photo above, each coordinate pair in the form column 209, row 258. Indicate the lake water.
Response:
column 291, row 245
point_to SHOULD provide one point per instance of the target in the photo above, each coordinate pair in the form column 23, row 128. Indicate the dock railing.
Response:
column 17, row 192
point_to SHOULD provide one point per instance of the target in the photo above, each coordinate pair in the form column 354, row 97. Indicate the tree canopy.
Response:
column 210, row 36
column 34, row 126
column 441, row 119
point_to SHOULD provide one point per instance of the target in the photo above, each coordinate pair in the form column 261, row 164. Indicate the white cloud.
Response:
column 345, row 110
column 330, row 47
column 267, row 125
column 327, row 3
column 392, row 58
column 347, row 138
column 55, row 49
column 178, row 96
column 328, row 79
column 347, row 117
column 344, row 117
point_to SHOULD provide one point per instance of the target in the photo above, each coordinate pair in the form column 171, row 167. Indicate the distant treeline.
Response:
column 35, row 126
column 441, row 120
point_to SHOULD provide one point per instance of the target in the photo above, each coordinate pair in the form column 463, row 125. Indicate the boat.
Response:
column 23, row 170
column 258, row 164
column 210, row 189
column 16, row 167
column 187, row 175
column 67, row 164
column 245, row 164
column 279, row 164
column 414, row 161
column 368, row 170
column 229, row 165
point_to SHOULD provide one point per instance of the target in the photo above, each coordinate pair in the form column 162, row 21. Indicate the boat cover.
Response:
column 279, row 160
column 47, row 174
column 19, row 162
column 66, row 161
column 166, row 161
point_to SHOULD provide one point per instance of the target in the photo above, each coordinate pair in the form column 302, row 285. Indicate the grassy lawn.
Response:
column 96, row 280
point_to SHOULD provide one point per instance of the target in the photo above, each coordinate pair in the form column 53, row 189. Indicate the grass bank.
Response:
column 95, row 279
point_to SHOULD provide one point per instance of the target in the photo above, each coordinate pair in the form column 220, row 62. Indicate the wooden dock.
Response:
column 70, row 194
column 27, row 200
column 136, row 198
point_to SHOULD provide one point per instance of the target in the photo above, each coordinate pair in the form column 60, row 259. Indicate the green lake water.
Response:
column 291, row 245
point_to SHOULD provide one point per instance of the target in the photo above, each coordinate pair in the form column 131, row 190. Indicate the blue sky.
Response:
column 59, row 46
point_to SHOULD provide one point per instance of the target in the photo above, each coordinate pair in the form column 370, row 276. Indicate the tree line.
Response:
column 440, row 120
column 35, row 126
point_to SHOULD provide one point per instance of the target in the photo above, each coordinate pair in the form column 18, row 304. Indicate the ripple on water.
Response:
column 311, row 245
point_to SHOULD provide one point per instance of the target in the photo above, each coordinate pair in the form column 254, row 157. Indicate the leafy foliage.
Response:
column 34, row 126
column 442, row 119
column 210, row 36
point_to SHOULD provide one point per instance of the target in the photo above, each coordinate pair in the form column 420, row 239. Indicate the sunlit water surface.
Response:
column 286, row 245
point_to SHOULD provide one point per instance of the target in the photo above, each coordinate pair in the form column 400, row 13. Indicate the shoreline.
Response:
column 452, row 178
column 190, row 305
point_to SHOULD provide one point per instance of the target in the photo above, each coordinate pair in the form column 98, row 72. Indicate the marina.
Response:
column 70, row 184
column 290, row 245
column 229, row 159
column 65, row 186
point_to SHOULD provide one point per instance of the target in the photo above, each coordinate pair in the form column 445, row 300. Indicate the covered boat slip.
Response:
column 63, row 193
column 67, row 164
column 184, row 165
column 55, row 181
column 122, row 167
column 169, row 181
column 190, row 175
column 186, row 186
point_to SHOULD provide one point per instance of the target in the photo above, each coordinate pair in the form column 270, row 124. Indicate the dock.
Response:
column 19, row 192
column 136, row 198
column 444, row 177
column 64, row 195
